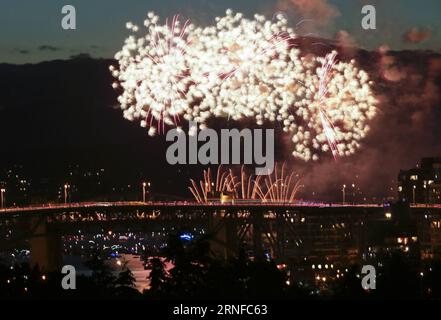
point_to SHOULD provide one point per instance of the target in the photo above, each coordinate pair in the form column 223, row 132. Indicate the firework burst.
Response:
column 154, row 73
column 241, row 68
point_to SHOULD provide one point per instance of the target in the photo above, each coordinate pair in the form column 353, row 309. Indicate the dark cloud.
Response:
column 46, row 47
column 21, row 51
column 417, row 35
column 81, row 56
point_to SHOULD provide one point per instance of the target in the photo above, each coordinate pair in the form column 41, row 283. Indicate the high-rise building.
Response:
column 421, row 184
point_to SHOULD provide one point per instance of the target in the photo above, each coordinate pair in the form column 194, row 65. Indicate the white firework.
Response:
column 154, row 73
column 241, row 68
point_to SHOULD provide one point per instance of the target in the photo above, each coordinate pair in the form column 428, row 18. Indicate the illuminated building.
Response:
column 421, row 184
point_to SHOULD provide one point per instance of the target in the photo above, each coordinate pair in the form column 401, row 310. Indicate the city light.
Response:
column 186, row 236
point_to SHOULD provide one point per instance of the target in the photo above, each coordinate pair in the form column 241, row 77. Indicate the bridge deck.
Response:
column 188, row 205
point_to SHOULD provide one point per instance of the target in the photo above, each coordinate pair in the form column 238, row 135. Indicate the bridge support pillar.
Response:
column 45, row 246
column 224, row 242
column 257, row 234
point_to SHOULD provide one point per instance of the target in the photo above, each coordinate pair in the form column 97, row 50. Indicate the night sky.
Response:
column 30, row 31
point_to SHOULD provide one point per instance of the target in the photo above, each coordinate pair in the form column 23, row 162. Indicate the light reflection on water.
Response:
column 134, row 263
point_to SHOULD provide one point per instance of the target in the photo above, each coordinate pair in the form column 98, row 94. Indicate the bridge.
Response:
column 137, row 205
column 229, row 223
column 216, row 204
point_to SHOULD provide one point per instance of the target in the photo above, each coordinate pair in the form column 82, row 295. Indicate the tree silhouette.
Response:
column 102, row 276
column 125, row 277
column 157, row 276
column 399, row 278
column 125, row 283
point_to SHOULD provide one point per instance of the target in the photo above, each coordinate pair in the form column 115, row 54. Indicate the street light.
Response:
column 2, row 192
column 353, row 193
column 426, row 194
column 344, row 193
column 144, row 186
column 66, row 188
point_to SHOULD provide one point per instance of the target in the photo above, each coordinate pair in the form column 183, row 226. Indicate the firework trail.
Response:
column 275, row 188
column 243, row 68
column 328, row 128
column 225, row 182
column 281, row 188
